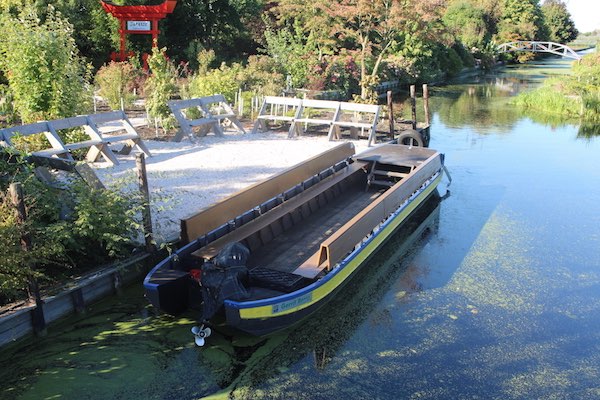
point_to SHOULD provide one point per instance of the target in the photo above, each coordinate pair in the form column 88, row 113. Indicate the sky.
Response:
column 585, row 14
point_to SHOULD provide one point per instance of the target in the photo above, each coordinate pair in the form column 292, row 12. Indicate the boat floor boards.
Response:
column 291, row 248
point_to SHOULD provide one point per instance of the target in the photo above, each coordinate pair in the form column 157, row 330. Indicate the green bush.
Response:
column 41, row 62
column 575, row 95
column 71, row 229
column 8, row 114
column 160, row 88
column 263, row 76
column 113, row 81
column 224, row 80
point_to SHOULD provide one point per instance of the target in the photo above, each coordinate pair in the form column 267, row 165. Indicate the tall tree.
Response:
column 521, row 20
column 43, row 67
column 468, row 22
column 558, row 20
column 94, row 31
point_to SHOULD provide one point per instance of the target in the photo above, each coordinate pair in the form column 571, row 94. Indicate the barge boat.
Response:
column 270, row 255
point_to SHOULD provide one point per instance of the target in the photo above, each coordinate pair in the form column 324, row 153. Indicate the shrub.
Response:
column 224, row 80
column 160, row 87
column 113, row 81
column 263, row 76
column 7, row 110
column 41, row 62
column 72, row 229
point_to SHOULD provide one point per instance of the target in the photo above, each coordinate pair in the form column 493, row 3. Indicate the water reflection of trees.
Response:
column 478, row 106
column 486, row 103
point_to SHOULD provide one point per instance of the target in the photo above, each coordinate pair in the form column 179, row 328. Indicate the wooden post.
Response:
column 140, row 162
column 413, row 105
column 391, row 112
column 426, row 103
column 37, row 317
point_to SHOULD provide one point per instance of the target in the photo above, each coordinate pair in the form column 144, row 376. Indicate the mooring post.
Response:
column 140, row 162
column 426, row 102
column 391, row 112
column 38, row 320
column 413, row 105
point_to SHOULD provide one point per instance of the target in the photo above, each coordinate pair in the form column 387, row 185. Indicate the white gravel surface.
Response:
column 185, row 177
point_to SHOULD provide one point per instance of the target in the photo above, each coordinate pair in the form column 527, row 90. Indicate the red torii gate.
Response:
column 137, row 20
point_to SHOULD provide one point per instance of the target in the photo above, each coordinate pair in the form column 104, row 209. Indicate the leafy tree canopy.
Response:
column 558, row 19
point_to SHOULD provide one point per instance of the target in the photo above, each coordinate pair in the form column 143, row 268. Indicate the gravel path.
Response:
column 186, row 177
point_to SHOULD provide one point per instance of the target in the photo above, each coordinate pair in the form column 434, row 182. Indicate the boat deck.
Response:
column 291, row 248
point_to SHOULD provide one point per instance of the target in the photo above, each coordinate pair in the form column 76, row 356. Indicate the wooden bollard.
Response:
column 390, row 105
column 38, row 320
column 140, row 162
column 413, row 105
column 426, row 102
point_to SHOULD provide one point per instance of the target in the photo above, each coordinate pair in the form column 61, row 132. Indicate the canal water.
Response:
column 492, row 293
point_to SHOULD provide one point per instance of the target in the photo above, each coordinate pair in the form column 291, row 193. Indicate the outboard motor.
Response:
column 224, row 279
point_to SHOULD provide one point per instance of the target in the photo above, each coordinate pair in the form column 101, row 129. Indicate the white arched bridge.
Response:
column 539, row 47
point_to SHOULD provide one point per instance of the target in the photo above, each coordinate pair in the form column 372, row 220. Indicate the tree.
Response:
column 214, row 24
column 94, row 31
column 468, row 22
column 46, row 74
column 372, row 27
column 521, row 20
column 558, row 20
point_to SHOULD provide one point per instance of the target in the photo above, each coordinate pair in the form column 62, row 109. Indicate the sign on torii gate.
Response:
column 137, row 20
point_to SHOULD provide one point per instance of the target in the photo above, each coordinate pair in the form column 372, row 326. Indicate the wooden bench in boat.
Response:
column 240, row 203
column 275, row 108
column 343, row 241
column 214, row 109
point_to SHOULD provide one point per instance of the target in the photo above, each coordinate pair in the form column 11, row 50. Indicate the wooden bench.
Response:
column 355, row 116
column 319, row 112
column 98, row 142
column 115, row 127
column 334, row 114
column 213, row 110
column 217, row 107
column 276, row 108
column 57, row 147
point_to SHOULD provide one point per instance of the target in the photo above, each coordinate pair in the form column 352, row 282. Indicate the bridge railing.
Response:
column 539, row 47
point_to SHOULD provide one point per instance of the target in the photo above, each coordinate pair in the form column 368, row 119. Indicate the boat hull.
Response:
column 262, row 317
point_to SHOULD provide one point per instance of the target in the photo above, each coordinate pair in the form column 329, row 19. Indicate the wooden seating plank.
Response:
column 276, row 101
column 212, row 116
column 131, row 137
column 337, row 109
